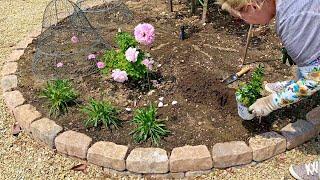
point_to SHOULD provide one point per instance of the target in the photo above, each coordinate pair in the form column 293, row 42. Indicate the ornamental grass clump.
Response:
column 248, row 93
column 147, row 126
column 129, row 61
column 101, row 113
column 60, row 94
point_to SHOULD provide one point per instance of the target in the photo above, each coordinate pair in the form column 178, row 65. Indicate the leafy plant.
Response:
column 248, row 93
column 117, row 60
column 148, row 126
column 125, row 40
column 60, row 94
column 101, row 112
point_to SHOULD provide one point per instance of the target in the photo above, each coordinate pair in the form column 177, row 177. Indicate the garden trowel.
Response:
column 235, row 76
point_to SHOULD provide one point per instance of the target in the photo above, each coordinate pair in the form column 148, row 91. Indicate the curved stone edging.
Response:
column 182, row 162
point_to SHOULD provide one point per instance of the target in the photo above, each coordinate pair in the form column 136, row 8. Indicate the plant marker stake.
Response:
column 182, row 35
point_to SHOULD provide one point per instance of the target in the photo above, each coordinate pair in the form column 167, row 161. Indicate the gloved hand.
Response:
column 264, row 106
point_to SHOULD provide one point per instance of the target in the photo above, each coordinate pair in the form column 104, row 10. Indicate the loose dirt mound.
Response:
column 205, row 88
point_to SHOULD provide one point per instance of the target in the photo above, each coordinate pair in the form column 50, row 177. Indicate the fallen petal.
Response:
column 160, row 104
column 128, row 109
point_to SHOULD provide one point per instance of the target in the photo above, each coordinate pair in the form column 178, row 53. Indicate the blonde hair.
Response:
column 232, row 5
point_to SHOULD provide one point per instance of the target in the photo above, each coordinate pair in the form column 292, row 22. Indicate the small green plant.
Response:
column 117, row 60
column 101, row 112
column 148, row 126
column 248, row 93
column 128, row 62
column 125, row 40
column 60, row 94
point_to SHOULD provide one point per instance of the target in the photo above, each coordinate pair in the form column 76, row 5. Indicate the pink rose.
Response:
column 91, row 56
column 132, row 54
column 60, row 64
column 100, row 65
column 148, row 63
column 74, row 39
column 119, row 76
column 144, row 33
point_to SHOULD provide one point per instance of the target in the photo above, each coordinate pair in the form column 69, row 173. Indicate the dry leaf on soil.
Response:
column 80, row 167
column 16, row 129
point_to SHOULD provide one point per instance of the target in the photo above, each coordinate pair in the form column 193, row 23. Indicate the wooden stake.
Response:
column 170, row 8
column 193, row 7
column 205, row 10
column 247, row 45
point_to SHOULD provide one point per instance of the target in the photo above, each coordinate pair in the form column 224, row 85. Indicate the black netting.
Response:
column 66, row 40
column 106, row 13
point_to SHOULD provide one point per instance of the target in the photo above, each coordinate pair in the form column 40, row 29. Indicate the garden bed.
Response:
column 190, row 74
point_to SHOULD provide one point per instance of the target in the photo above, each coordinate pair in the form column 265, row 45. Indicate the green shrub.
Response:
column 101, row 112
column 248, row 93
column 117, row 60
column 125, row 40
column 60, row 94
column 148, row 126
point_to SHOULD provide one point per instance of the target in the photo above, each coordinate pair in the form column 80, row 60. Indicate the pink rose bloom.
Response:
column 91, row 56
column 119, row 76
column 100, row 65
column 144, row 33
column 60, row 64
column 148, row 63
column 74, row 39
column 132, row 54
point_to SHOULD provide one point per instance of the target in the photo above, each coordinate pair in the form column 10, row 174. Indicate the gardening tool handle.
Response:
column 243, row 71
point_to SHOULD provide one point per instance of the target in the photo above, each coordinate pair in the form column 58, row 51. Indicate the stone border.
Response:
column 186, row 161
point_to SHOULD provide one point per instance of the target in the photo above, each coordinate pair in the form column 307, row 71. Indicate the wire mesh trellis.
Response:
column 106, row 13
column 66, row 40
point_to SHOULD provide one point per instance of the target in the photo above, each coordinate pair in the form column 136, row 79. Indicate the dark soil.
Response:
column 190, row 73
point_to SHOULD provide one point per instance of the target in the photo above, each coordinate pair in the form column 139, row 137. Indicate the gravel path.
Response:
column 22, row 158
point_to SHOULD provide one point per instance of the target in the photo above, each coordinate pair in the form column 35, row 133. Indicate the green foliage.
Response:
column 117, row 60
column 60, row 94
column 101, row 112
column 125, row 40
column 248, row 93
column 148, row 126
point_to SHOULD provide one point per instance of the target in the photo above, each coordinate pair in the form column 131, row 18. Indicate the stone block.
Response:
column 9, row 83
column 148, row 160
column 13, row 99
column 9, row 68
column 197, row 173
column 231, row 154
column 314, row 117
column 190, row 158
column 45, row 130
column 25, row 115
column 298, row 132
column 73, row 144
column 108, row 154
column 267, row 145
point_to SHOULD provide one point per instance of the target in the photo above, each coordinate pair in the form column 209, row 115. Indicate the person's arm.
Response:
column 291, row 94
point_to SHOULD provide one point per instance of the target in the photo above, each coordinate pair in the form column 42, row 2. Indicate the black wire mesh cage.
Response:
column 104, row 14
column 66, row 41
